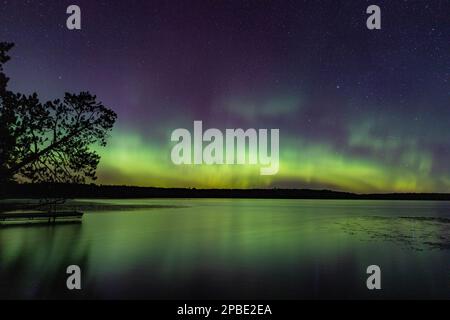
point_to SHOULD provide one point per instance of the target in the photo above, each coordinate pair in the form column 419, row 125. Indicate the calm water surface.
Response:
column 232, row 248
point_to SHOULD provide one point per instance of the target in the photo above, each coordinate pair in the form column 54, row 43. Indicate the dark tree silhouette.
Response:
column 51, row 141
column 6, row 117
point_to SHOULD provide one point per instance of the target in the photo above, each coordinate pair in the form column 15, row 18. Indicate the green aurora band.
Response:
column 130, row 160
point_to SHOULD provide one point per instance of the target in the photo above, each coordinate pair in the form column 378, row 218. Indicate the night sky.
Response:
column 358, row 110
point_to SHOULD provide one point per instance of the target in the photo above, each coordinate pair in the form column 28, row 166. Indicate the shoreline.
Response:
column 91, row 191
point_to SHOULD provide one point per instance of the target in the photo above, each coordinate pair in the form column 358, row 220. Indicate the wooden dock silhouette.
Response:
column 40, row 217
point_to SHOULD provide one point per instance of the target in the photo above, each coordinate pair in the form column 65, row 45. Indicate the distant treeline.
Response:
column 72, row 191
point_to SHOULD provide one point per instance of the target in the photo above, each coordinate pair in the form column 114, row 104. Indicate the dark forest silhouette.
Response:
column 93, row 191
column 49, row 141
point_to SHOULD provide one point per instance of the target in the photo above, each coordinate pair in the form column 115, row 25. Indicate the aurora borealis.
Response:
column 358, row 110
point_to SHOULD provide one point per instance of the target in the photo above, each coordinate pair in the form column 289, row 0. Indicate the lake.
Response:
column 233, row 248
